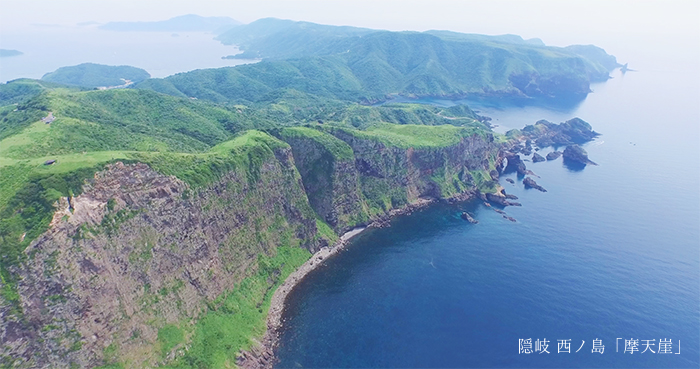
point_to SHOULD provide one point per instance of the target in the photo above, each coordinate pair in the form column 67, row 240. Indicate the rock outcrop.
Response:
column 99, row 274
column 573, row 131
column 468, row 217
column 575, row 154
column 331, row 181
column 515, row 164
column 530, row 183
column 500, row 199
column 554, row 155
column 536, row 158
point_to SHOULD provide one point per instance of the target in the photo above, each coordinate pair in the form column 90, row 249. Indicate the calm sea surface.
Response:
column 160, row 53
column 611, row 252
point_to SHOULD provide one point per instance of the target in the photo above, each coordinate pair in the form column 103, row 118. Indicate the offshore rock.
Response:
column 530, row 183
column 500, row 200
column 536, row 158
column 573, row 131
column 575, row 154
column 554, row 155
column 466, row 216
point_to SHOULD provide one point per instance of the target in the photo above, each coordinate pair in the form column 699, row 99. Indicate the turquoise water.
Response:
column 611, row 251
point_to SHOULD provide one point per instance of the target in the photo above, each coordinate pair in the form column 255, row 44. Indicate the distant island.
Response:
column 5, row 53
column 366, row 65
column 97, row 75
column 183, row 23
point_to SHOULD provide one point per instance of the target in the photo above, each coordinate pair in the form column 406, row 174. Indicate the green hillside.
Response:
column 361, row 65
column 22, row 89
column 191, row 139
column 284, row 39
column 96, row 75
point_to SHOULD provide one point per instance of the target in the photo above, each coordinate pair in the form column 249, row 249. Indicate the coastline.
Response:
column 262, row 354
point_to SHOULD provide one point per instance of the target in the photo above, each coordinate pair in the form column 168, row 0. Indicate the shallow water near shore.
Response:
column 610, row 251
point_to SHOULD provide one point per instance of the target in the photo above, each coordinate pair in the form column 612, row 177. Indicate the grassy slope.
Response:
column 20, row 90
column 415, row 136
column 337, row 148
column 195, row 141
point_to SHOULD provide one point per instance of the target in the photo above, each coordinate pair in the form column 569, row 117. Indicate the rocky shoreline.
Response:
column 262, row 354
column 544, row 133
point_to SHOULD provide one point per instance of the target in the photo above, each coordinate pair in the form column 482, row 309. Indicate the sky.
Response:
column 608, row 24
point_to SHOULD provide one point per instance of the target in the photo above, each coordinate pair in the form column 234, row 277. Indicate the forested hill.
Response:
column 363, row 65
column 92, row 75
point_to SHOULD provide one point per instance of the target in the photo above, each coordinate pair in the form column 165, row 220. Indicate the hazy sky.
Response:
column 558, row 23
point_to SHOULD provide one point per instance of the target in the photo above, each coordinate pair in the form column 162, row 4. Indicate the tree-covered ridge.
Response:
column 23, row 89
column 362, row 65
column 284, row 39
column 92, row 75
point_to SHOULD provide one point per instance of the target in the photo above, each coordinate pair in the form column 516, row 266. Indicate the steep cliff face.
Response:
column 392, row 176
column 351, row 178
column 327, row 167
column 139, row 257
column 138, row 250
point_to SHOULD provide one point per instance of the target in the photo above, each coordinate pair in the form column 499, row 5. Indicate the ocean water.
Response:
column 160, row 53
column 610, row 252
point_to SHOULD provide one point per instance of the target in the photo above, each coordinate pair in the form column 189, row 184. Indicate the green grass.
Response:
column 237, row 317
column 29, row 189
column 21, row 90
column 336, row 147
column 325, row 231
column 416, row 136
column 197, row 142
column 483, row 181
column 170, row 336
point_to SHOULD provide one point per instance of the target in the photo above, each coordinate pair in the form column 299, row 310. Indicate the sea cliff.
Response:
column 143, row 269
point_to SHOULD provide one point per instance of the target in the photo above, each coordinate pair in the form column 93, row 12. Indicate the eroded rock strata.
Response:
column 138, row 250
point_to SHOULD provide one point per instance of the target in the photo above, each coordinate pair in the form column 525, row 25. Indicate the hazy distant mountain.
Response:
column 360, row 64
column 592, row 52
column 96, row 75
column 183, row 23
column 5, row 53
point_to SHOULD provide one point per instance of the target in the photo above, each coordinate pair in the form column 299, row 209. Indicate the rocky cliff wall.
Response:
column 138, row 250
column 327, row 167
column 391, row 177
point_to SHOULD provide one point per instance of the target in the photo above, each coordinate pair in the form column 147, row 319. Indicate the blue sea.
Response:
column 609, row 253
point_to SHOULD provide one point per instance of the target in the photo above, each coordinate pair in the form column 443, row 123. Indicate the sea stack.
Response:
column 576, row 154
